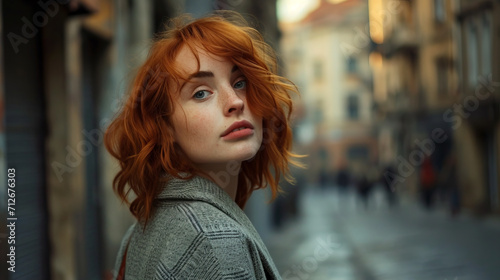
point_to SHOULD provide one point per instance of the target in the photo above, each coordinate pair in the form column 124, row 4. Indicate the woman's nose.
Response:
column 233, row 102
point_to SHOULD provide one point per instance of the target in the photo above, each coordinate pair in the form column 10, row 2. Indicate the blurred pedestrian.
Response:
column 427, row 182
column 388, row 185
column 448, row 179
column 343, row 179
column 364, row 187
column 366, row 182
column 323, row 179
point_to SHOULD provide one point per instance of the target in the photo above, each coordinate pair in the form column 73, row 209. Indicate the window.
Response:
column 442, row 76
column 353, row 107
column 318, row 113
column 352, row 65
column 358, row 152
column 439, row 10
column 472, row 54
column 486, row 54
column 318, row 70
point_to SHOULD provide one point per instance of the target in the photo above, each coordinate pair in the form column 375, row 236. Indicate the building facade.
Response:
column 476, row 115
column 326, row 55
column 432, row 61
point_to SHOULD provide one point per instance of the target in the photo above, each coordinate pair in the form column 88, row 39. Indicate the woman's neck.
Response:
column 225, row 176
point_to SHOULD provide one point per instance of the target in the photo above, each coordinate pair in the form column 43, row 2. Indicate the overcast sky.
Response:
column 294, row 10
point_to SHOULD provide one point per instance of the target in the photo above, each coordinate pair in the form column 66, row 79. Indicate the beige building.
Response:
column 395, row 77
column 476, row 114
column 430, row 59
column 326, row 55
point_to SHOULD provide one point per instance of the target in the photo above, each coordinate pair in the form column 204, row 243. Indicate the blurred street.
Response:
column 336, row 237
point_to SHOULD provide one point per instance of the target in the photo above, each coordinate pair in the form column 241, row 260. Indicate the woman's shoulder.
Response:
column 182, row 232
column 199, row 216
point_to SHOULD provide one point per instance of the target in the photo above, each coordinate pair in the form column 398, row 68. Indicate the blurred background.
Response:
column 398, row 114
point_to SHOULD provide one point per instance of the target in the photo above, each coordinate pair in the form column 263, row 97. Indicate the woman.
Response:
column 206, row 120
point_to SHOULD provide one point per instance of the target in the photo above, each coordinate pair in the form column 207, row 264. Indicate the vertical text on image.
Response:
column 11, row 218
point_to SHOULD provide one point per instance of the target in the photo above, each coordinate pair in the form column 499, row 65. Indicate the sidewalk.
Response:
column 337, row 238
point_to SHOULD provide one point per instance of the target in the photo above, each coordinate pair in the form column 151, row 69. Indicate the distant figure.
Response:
column 448, row 179
column 343, row 179
column 364, row 187
column 390, row 190
column 278, row 212
column 323, row 179
column 427, row 182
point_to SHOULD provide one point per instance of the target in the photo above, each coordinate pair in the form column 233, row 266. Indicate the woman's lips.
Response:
column 241, row 133
column 237, row 130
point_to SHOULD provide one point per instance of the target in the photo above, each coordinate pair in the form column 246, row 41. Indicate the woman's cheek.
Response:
column 201, row 125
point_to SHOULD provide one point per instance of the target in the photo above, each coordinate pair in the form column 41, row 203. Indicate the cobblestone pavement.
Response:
column 336, row 237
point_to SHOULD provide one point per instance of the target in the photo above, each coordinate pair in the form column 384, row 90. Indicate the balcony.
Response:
column 401, row 39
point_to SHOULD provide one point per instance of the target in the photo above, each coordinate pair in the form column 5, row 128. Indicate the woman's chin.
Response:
column 249, row 154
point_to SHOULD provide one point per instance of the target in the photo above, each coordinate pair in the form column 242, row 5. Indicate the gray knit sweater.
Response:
column 196, row 232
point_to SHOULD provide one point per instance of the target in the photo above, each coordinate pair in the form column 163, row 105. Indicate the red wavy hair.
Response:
column 141, row 135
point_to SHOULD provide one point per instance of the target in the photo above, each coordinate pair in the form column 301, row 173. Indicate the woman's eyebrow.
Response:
column 207, row 74
column 201, row 74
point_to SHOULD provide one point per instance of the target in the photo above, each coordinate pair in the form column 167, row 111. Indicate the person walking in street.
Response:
column 364, row 188
column 365, row 183
column 343, row 179
column 427, row 182
column 389, row 185
column 206, row 120
column 448, row 180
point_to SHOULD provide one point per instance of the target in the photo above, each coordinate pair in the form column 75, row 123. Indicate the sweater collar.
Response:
column 197, row 188
column 202, row 189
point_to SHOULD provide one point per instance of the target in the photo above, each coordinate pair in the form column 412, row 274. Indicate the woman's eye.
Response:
column 202, row 94
column 240, row 84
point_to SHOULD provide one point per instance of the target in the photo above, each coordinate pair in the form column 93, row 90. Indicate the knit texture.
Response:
column 196, row 232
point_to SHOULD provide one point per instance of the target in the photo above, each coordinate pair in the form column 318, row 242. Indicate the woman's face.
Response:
column 212, row 121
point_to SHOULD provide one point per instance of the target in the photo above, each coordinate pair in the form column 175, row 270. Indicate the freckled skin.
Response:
column 199, row 122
